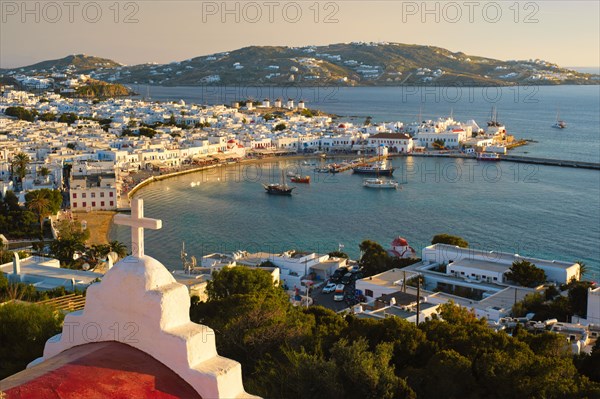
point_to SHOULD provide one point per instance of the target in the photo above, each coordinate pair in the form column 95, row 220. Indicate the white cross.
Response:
column 138, row 223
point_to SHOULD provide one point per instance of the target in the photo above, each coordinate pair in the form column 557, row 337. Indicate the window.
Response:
column 93, row 203
column 102, row 203
column 102, row 194
column 111, row 203
column 84, row 204
column 83, row 195
column 369, row 293
column 74, row 204
column 110, row 194
column 93, row 195
column 74, row 195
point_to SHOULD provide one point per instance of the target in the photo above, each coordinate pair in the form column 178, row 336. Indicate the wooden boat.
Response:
column 300, row 179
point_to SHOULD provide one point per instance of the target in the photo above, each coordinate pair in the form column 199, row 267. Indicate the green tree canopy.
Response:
column 450, row 240
column 280, row 126
column 338, row 254
column 19, row 164
column 239, row 281
column 21, row 113
column 24, row 330
column 526, row 274
column 374, row 258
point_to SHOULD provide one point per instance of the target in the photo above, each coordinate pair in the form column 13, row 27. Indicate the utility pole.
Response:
column 418, row 297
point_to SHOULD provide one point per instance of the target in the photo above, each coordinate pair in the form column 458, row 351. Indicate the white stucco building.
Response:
column 486, row 265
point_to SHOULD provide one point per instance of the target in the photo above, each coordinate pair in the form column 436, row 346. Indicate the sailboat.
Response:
column 559, row 124
column 279, row 188
column 381, row 183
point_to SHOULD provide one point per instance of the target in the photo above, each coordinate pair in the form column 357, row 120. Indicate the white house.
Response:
column 395, row 142
column 88, row 194
column 481, row 265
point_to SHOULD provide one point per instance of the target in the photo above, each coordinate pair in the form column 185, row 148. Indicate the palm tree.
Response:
column 119, row 248
column 44, row 172
column 19, row 164
column 582, row 268
column 39, row 204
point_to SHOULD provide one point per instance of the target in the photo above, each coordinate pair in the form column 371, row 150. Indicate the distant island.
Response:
column 345, row 64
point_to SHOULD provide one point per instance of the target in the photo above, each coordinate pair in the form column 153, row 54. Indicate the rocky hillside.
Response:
column 346, row 64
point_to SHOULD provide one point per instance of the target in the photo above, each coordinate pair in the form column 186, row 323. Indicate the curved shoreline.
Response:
column 152, row 179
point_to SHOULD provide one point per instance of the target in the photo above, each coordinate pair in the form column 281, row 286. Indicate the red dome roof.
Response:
column 399, row 242
column 231, row 141
column 118, row 370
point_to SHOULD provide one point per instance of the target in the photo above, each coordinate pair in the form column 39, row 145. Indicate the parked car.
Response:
column 330, row 287
column 347, row 279
column 339, row 289
column 338, row 297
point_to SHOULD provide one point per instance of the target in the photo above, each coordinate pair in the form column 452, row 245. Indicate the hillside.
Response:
column 346, row 64
column 79, row 63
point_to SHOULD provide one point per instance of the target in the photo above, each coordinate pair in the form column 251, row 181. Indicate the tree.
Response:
column 68, row 118
column 578, row 297
column 374, row 258
column 54, row 198
column 71, row 239
column 582, row 268
column 24, row 330
column 439, row 144
column 48, row 117
column 239, row 280
column 119, row 248
column 19, row 164
column 450, row 240
column 21, row 113
column 526, row 274
column 338, row 254
column 279, row 127
column 44, row 172
column 39, row 204
column 368, row 373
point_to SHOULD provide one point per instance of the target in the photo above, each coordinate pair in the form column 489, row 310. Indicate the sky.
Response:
column 134, row 32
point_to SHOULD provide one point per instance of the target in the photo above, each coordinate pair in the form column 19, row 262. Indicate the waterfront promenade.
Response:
column 514, row 158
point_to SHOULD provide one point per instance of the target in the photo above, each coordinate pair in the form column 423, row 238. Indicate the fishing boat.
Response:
column 559, row 124
column 300, row 179
column 379, row 168
column 380, row 183
column 488, row 156
column 279, row 188
column 322, row 170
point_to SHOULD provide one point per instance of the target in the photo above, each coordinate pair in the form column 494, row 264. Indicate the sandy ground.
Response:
column 98, row 223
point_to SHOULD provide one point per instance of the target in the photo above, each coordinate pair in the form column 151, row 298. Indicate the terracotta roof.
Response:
column 98, row 370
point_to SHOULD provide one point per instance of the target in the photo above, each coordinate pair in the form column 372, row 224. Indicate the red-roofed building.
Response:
column 401, row 249
column 133, row 339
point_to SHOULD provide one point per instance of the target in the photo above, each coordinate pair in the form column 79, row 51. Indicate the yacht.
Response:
column 379, row 168
column 380, row 183
column 488, row 156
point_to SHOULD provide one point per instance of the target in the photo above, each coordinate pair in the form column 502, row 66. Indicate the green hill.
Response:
column 342, row 64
